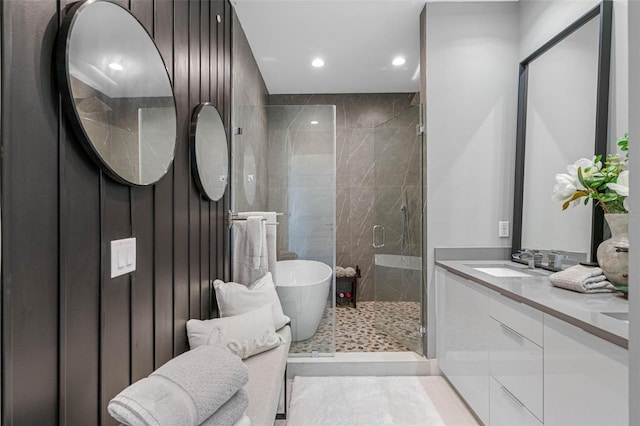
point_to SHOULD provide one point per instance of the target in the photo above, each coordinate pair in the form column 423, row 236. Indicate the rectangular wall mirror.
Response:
column 562, row 117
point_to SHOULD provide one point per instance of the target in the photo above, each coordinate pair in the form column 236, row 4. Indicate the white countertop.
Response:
column 582, row 310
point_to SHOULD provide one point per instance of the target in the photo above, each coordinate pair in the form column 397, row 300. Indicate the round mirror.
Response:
column 249, row 171
column 210, row 155
column 117, row 92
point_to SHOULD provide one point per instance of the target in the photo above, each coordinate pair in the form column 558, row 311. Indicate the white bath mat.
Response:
column 360, row 401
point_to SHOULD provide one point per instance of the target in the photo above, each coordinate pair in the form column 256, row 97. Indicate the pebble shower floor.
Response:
column 356, row 331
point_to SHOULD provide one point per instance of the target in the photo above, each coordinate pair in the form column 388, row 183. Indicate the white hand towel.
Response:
column 271, row 239
column 255, row 249
column 242, row 265
column 583, row 279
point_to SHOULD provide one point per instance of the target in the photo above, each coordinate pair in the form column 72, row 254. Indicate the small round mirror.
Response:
column 210, row 154
column 117, row 92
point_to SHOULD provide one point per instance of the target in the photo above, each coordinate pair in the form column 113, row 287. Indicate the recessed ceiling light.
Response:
column 317, row 62
column 398, row 61
column 314, row 122
column 115, row 66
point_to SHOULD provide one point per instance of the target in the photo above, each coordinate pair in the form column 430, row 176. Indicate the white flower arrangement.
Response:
column 608, row 186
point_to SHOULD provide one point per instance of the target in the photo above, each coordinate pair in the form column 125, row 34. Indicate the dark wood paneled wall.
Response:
column 72, row 336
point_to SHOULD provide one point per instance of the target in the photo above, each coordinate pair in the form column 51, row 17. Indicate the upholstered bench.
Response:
column 266, row 380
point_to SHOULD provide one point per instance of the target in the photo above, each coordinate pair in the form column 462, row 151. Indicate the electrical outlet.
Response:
column 503, row 229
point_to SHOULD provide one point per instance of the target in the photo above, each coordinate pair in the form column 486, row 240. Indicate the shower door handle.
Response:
column 375, row 236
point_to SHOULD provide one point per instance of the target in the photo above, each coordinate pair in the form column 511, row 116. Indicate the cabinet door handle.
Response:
column 512, row 396
column 511, row 330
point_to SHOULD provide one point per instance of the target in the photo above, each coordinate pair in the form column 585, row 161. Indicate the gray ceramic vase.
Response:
column 613, row 254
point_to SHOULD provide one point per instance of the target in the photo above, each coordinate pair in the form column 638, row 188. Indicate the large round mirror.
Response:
column 209, row 152
column 117, row 92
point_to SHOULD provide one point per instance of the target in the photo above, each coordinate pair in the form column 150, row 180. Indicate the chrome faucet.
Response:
column 532, row 257
column 557, row 259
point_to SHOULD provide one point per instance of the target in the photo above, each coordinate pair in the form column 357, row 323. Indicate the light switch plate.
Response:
column 503, row 229
column 123, row 256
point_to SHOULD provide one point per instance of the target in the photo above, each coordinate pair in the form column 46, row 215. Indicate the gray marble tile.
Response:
column 343, row 254
column 343, row 217
column 343, row 150
column 361, row 217
column 361, row 158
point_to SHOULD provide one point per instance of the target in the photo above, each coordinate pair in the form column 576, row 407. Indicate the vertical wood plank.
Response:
column 225, row 205
column 116, row 312
column 79, row 280
column 194, row 194
column 143, row 10
column 142, row 214
column 214, row 11
column 116, row 292
column 30, row 213
column 205, row 234
column 181, row 178
column 163, row 212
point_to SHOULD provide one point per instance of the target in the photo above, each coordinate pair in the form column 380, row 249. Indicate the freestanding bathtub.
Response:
column 303, row 287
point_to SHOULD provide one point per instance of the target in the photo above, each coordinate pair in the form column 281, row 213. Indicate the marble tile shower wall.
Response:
column 249, row 149
column 357, row 180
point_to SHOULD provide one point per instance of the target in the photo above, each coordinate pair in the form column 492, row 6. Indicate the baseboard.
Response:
column 361, row 364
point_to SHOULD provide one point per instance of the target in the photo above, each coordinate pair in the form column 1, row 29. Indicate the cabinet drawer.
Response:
column 506, row 410
column 516, row 363
column 517, row 316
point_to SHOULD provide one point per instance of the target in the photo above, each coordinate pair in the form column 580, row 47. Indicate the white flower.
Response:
column 566, row 185
column 589, row 168
column 621, row 187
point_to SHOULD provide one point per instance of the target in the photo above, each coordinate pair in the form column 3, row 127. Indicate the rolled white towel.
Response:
column 340, row 272
column 231, row 412
column 183, row 392
column 244, row 421
column 349, row 272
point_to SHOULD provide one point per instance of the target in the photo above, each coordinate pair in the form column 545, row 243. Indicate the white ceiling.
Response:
column 357, row 40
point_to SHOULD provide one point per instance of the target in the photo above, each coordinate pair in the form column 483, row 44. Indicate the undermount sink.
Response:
column 622, row 316
column 502, row 271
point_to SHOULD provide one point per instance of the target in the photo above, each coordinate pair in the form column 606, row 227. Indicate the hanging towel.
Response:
column 583, row 279
column 272, row 238
column 256, row 238
column 249, row 250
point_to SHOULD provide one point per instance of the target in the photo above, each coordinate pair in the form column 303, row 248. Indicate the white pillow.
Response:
column 235, row 299
column 245, row 335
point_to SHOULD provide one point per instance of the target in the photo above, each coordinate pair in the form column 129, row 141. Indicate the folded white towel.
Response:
column 231, row 412
column 184, row 392
column 583, row 279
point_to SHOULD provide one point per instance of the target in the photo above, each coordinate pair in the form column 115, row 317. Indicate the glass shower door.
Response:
column 397, row 231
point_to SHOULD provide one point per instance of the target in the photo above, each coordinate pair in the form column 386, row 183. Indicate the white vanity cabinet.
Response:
column 586, row 378
column 462, row 338
column 515, row 365
column 515, row 355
